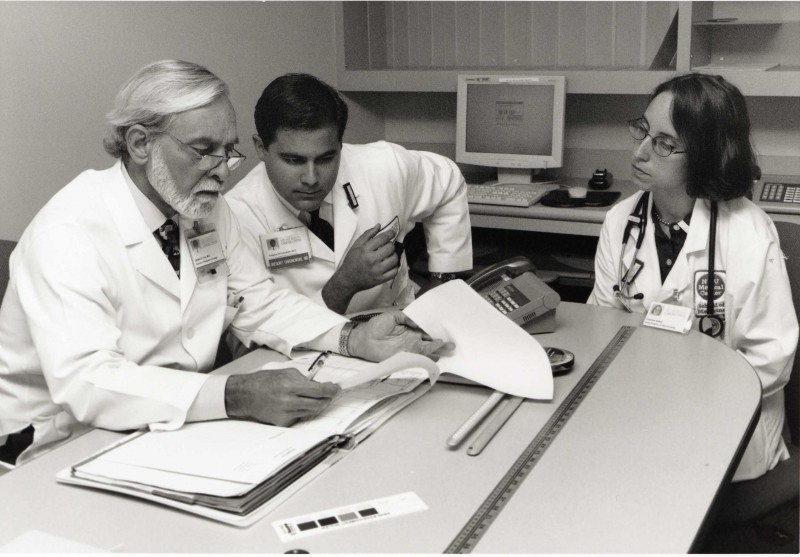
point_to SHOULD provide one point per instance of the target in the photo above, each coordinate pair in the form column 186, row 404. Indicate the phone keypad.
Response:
column 507, row 298
column 778, row 192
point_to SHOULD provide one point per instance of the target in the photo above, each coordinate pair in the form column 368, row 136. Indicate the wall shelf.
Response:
column 600, row 47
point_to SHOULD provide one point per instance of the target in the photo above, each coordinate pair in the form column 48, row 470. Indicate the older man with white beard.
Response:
column 122, row 285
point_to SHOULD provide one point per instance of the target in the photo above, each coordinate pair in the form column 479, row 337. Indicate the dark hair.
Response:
column 298, row 101
column 710, row 116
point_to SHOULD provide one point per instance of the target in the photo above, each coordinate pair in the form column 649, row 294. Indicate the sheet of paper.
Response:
column 351, row 372
column 36, row 541
column 490, row 348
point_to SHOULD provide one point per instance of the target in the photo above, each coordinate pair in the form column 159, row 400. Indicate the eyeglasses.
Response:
column 232, row 157
column 661, row 145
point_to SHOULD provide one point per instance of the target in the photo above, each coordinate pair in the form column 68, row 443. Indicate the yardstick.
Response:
column 471, row 533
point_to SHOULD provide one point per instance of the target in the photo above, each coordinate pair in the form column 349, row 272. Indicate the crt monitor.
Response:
column 512, row 122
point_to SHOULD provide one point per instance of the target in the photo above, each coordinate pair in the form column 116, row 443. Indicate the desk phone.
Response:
column 779, row 192
column 512, row 287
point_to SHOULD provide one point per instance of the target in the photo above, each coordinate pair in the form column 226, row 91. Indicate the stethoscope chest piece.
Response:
column 712, row 325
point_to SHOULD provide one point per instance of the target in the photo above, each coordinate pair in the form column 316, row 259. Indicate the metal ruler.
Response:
column 471, row 533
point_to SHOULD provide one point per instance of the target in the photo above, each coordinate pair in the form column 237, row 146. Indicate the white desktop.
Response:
column 514, row 123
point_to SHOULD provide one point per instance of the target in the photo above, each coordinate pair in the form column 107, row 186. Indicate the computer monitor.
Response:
column 512, row 122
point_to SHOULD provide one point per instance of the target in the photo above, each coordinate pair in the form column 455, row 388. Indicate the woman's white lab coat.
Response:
column 389, row 182
column 760, row 322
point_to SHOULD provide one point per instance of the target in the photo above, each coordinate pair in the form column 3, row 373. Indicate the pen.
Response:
column 475, row 418
column 488, row 431
column 317, row 364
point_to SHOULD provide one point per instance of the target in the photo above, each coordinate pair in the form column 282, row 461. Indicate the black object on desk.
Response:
column 561, row 198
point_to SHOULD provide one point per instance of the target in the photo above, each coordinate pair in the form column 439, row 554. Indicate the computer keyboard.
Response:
column 510, row 195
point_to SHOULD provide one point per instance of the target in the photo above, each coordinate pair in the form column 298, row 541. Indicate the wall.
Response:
column 63, row 62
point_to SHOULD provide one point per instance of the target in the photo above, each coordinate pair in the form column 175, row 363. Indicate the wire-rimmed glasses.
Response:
column 661, row 145
column 232, row 157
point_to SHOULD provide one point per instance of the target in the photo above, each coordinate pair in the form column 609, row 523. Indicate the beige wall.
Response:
column 63, row 62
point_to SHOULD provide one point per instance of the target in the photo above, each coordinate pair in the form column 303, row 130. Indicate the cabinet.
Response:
column 601, row 47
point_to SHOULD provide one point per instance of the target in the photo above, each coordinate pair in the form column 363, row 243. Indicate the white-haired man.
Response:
column 123, row 283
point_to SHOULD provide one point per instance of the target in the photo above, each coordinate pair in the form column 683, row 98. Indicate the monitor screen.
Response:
column 514, row 123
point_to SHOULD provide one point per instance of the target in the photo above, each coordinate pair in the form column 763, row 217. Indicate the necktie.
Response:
column 168, row 237
column 321, row 228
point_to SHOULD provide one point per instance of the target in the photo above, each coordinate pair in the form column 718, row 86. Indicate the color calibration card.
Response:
column 351, row 515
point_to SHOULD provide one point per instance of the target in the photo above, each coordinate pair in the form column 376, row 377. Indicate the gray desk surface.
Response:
column 635, row 470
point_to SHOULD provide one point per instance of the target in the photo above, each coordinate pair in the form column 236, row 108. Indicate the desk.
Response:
column 583, row 221
column 635, row 470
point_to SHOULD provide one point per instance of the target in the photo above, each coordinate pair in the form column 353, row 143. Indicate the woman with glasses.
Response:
column 692, row 238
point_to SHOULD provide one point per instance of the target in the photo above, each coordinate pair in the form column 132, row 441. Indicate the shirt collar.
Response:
column 325, row 208
column 153, row 217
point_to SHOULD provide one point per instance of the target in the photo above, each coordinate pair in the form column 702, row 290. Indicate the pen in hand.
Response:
column 317, row 364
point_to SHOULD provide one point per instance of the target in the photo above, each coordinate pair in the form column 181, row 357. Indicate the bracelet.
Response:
column 344, row 337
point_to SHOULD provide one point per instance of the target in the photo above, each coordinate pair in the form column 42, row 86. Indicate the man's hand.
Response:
column 370, row 261
column 279, row 397
column 389, row 333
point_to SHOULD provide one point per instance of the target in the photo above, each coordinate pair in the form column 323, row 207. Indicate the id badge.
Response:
column 670, row 317
column 286, row 248
column 206, row 252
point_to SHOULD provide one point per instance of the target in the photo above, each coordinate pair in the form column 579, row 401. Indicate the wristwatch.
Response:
column 444, row 277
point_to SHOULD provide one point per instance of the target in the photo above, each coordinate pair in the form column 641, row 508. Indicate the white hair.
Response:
column 155, row 94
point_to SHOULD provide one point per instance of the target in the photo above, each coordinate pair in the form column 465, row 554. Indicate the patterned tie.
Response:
column 169, row 238
column 321, row 228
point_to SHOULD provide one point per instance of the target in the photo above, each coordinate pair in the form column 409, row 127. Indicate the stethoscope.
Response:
column 711, row 323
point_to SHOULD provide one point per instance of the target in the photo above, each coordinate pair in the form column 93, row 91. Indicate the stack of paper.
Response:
column 228, row 469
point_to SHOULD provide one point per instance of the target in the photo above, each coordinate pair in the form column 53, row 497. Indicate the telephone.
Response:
column 512, row 287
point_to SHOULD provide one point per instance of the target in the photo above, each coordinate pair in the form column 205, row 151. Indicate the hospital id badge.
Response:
column 670, row 317
column 703, row 285
column 206, row 252
column 286, row 247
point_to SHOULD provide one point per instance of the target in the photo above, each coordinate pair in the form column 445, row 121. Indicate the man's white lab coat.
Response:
column 388, row 181
column 96, row 329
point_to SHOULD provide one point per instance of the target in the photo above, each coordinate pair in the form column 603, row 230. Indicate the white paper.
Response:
column 352, row 372
column 36, row 541
column 490, row 348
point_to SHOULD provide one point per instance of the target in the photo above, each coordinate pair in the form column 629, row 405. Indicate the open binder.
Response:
column 237, row 471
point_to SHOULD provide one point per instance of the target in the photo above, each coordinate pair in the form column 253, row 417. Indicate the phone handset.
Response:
column 512, row 267
column 513, row 288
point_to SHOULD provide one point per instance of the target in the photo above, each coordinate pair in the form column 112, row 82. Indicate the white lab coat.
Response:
column 389, row 181
column 97, row 330
column 760, row 322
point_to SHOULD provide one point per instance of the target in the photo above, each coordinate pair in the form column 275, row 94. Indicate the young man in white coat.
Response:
column 123, row 283
column 371, row 196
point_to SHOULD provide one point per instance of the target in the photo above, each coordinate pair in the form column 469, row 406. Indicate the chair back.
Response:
column 789, row 233
column 6, row 247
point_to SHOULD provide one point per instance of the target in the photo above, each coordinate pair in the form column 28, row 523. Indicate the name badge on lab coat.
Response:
column 206, row 252
column 669, row 317
column 286, row 248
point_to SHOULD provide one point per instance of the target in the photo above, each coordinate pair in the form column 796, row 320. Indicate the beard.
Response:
column 190, row 205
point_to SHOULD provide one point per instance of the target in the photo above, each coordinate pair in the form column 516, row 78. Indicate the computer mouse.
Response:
column 577, row 192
